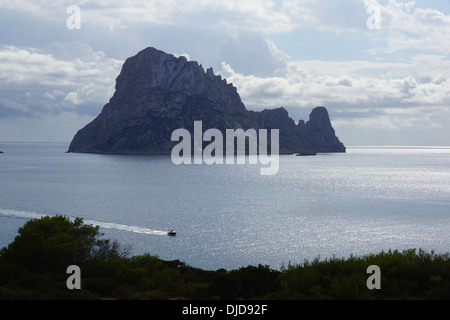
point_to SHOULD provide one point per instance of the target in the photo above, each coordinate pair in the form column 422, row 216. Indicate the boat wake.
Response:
column 106, row 225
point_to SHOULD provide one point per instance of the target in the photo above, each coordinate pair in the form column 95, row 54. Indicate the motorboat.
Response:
column 172, row 233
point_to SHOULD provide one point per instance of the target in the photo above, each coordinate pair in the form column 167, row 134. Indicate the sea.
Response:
column 368, row 200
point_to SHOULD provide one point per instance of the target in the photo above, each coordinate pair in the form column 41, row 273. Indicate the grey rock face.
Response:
column 157, row 93
column 320, row 132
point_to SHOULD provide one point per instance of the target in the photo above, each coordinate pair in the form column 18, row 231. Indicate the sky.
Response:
column 381, row 68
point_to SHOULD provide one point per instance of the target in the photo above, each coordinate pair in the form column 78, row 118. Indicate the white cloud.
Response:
column 361, row 94
column 253, row 54
column 250, row 14
column 351, row 83
column 59, row 82
column 73, row 98
column 406, row 26
column 343, row 15
column 47, row 69
column 28, row 66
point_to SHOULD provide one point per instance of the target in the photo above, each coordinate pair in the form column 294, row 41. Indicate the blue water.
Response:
column 229, row 216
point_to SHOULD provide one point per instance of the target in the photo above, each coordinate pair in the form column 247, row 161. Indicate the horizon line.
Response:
column 350, row 146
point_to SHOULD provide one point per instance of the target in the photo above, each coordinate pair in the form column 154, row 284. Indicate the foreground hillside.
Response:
column 34, row 266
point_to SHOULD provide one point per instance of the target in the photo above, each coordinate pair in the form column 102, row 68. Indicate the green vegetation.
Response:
column 34, row 266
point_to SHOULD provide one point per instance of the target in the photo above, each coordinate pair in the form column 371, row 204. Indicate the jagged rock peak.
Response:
column 152, row 69
column 157, row 93
column 320, row 115
column 321, row 132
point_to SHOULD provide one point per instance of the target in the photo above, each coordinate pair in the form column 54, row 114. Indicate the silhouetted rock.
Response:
column 321, row 133
column 157, row 93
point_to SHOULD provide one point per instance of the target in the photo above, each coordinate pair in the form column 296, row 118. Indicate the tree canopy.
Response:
column 34, row 266
column 54, row 243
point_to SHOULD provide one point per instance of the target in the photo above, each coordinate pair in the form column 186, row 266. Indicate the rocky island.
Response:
column 157, row 93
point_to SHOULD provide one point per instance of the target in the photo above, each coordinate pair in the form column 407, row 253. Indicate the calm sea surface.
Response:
column 229, row 216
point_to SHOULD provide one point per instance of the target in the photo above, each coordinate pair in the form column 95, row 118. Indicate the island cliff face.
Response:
column 157, row 93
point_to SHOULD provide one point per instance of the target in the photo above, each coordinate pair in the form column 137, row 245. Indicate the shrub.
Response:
column 54, row 243
column 404, row 275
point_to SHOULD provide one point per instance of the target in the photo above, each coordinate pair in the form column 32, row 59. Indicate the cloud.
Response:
column 364, row 75
column 337, row 16
column 312, row 82
column 55, row 81
column 361, row 93
column 47, row 93
column 254, row 54
column 405, row 26
column 251, row 14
